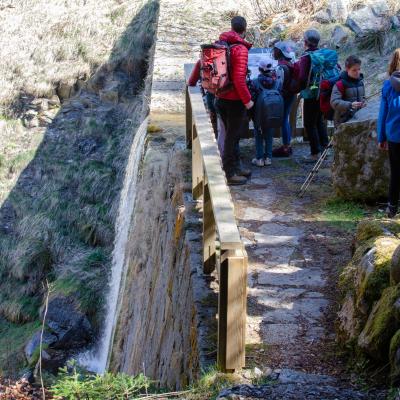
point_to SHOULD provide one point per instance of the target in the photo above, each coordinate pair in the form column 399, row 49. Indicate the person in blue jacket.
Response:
column 389, row 129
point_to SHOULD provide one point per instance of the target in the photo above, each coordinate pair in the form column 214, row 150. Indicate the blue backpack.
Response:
column 324, row 67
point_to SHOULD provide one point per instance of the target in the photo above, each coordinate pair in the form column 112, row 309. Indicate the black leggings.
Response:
column 314, row 125
column 394, row 188
column 234, row 116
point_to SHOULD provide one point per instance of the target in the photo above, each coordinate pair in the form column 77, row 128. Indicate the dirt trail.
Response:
column 294, row 258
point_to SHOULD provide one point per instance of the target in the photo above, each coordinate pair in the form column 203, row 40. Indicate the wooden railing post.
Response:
column 189, row 120
column 197, row 166
column 209, row 232
column 232, row 310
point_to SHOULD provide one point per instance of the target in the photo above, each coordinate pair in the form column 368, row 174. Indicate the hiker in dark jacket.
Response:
column 348, row 94
column 284, row 53
column 266, row 80
column 233, row 104
column 389, row 129
column 314, row 123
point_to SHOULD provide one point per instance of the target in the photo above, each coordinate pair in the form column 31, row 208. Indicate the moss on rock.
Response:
column 381, row 326
column 368, row 229
column 375, row 271
column 394, row 358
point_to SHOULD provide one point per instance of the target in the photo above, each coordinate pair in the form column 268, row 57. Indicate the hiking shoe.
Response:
column 243, row 172
column 391, row 211
column 237, row 180
column 311, row 158
column 267, row 162
column 259, row 162
column 283, row 151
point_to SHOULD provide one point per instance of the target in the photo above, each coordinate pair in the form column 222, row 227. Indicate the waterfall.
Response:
column 97, row 361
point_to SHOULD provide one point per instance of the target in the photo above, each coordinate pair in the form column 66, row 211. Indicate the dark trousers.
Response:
column 234, row 116
column 394, row 187
column 315, row 126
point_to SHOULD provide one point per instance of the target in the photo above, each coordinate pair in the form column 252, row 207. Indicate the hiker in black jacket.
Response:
column 348, row 94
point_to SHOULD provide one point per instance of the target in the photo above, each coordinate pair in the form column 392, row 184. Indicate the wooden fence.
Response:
column 223, row 248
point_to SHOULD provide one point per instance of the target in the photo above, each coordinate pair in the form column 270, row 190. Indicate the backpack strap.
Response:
column 341, row 87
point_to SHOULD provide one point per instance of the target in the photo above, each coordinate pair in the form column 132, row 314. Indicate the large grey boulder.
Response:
column 360, row 170
column 339, row 36
column 67, row 330
column 32, row 348
column 368, row 20
column 338, row 10
column 322, row 17
column 72, row 328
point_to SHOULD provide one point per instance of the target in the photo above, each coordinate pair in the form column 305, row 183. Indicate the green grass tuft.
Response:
column 341, row 213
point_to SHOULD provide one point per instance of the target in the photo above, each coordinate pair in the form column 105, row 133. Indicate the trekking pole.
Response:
column 315, row 170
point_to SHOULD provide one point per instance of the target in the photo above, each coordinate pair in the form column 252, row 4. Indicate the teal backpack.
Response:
column 324, row 66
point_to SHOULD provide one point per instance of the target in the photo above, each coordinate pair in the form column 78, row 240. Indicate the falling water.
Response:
column 98, row 360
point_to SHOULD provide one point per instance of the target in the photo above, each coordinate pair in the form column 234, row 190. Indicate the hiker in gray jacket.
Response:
column 348, row 94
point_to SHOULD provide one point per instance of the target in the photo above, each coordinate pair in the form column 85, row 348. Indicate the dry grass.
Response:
column 44, row 43
column 60, row 184
column 269, row 8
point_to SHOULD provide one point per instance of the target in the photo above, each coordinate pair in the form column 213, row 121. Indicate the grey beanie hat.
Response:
column 312, row 37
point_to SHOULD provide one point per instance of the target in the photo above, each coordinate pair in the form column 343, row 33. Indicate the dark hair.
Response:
column 238, row 24
column 351, row 61
column 277, row 53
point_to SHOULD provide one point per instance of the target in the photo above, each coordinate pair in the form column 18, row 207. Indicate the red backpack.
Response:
column 215, row 67
column 326, row 87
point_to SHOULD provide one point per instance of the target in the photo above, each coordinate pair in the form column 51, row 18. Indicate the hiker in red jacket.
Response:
column 314, row 123
column 232, row 105
column 194, row 78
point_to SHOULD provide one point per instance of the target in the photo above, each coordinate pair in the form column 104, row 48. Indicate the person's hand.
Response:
column 383, row 146
column 356, row 105
column 249, row 105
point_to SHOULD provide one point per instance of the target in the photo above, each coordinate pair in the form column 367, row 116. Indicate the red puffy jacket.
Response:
column 239, row 65
column 195, row 75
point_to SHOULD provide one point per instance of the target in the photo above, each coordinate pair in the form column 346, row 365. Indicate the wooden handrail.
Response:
column 222, row 245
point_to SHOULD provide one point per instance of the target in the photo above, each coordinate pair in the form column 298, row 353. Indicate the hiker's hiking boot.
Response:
column 391, row 211
column 243, row 172
column 311, row 158
column 259, row 162
column 267, row 162
column 237, row 180
column 283, row 151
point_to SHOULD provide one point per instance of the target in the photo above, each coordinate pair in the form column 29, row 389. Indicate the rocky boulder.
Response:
column 360, row 170
column 394, row 358
column 72, row 328
column 369, row 318
column 32, row 348
column 395, row 267
column 339, row 36
column 66, row 331
column 381, row 326
column 369, row 19
column 338, row 10
column 367, row 275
